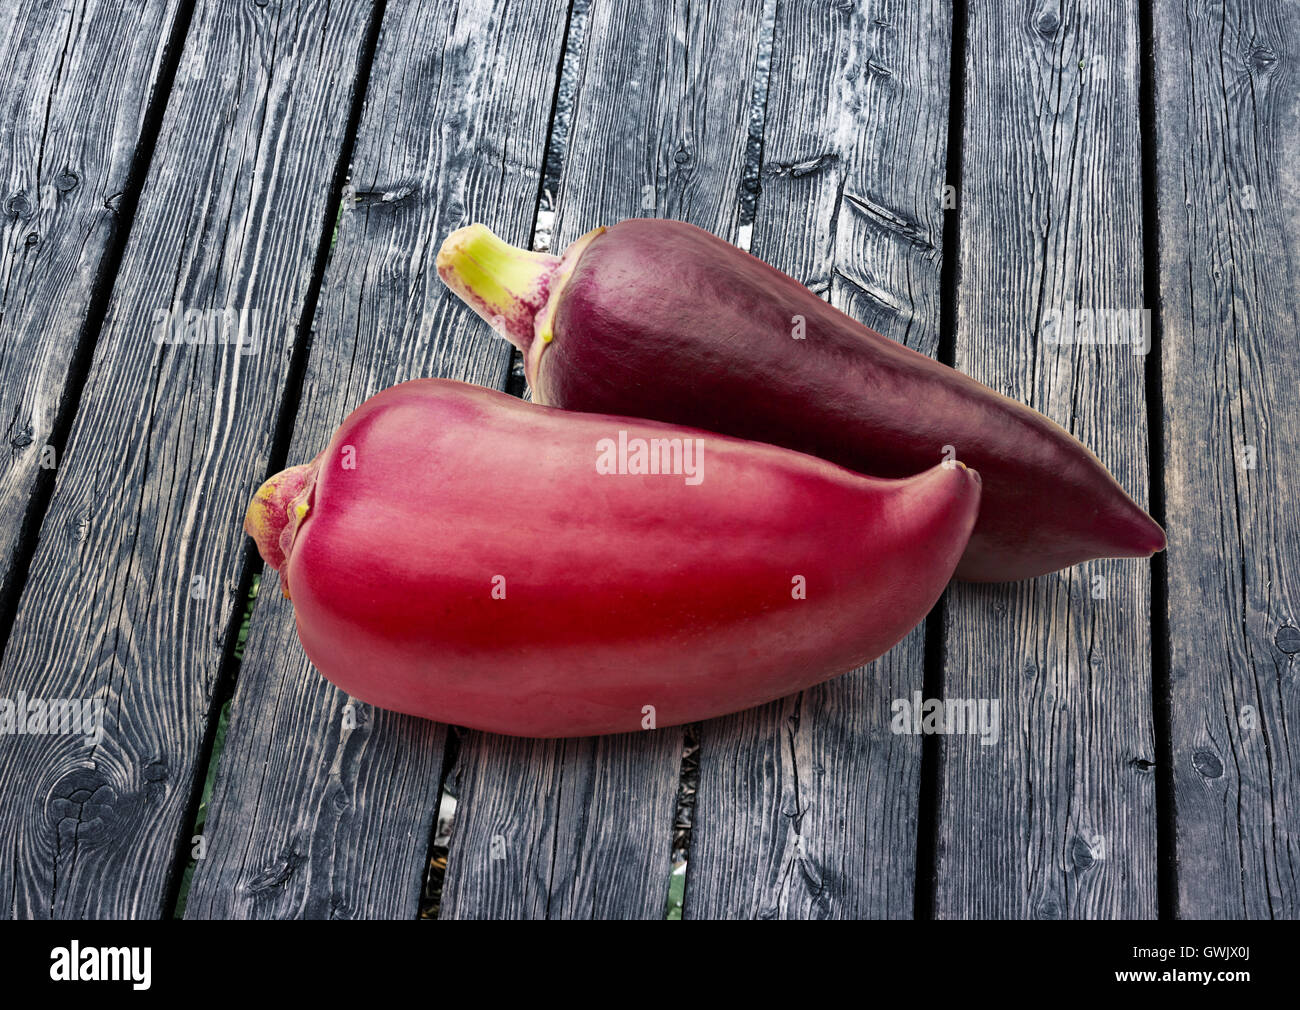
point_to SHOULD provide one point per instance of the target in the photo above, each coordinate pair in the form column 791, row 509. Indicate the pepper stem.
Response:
column 505, row 285
column 275, row 512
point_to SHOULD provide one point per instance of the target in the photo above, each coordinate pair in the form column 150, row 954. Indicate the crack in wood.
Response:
column 803, row 167
column 879, row 215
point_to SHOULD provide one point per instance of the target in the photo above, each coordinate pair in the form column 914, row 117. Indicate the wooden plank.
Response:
column 1057, row 819
column 134, row 581
column 1228, row 119
column 309, row 818
column 807, row 807
column 583, row 828
column 76, row 82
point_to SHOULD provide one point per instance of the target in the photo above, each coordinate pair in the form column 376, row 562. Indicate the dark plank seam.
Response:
column 927, row 818
column 754, row 150
column 517, row 389
column 284, row 424
column 564, row 57
column 102, row 289
column 553, row 160
column 950, row 271
column 1161, row 658
column 755, row 146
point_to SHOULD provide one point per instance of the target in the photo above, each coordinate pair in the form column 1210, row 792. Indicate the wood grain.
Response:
column 583, row 828
column 1057, row 819
column 134, row 581
column 306, row 819
column 807, row 807
column 76, row 82
column 1228, row 135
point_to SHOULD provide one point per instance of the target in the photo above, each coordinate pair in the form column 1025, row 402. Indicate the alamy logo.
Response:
column 680, row 456
column 1073, row 325
column 971, row 716
column 180, row 325
column 76, row 963
column 23, row 716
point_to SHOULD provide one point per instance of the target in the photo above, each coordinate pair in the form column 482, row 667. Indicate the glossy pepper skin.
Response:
column 455, row 553
column 662, row 320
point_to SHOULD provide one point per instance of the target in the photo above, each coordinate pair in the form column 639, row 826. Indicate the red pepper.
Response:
column 662, row 320
column 462, row 555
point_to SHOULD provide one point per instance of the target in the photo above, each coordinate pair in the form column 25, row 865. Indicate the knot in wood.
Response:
column 83, row 805
column 1207, row 763
column 22, row 438
column 1262, row 58
column 1288, row 639
column 155, row 774
column 277, row 872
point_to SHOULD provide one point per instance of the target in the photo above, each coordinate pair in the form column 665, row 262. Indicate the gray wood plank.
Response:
column 583, row 828
column 76, row 82
column 134, row 580
column 307, row 819
column 807, row 807
column 1057, row 819
column 1228, row 135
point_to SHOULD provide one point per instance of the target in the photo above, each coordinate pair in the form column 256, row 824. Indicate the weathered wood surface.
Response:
column 807, row 808
column 583, row 828
column 309, row 818
column 134, row 581
column 1057, row 819
column 76, row 84
column 1228, row 133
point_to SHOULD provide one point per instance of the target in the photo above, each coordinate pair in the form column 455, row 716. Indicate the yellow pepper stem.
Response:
column 507, row 286
column 275, row 513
